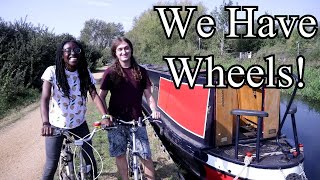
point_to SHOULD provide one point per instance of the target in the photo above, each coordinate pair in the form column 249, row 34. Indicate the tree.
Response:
column 99, row 33
column 149, row 39
column 222, row 23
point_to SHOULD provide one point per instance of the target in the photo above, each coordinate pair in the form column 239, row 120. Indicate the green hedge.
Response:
column 25, row 52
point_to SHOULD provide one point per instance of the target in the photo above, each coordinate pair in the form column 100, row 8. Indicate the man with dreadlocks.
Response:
column 67, row 84
column 127, row 82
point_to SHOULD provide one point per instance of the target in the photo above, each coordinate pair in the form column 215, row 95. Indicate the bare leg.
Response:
column 122, row 165
column 148, row 168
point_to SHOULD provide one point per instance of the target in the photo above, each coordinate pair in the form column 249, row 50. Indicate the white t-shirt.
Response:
column 64, row 112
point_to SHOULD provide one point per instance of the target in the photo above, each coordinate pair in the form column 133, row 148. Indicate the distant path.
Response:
column 22, row 151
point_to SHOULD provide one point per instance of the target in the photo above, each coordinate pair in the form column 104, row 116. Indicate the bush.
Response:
column 25, row 52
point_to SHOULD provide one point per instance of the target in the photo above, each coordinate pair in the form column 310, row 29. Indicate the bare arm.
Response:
column 44, row 108
column 96, row 99
column 100, row 104
column 152, row 103
column 103, row 94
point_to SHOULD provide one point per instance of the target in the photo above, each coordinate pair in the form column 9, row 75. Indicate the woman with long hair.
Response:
column 66, row 84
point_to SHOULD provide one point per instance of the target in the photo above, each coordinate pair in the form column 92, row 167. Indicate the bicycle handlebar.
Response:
column 65, row 132
column 136, row 122
column 104, row 127
column 97, row 127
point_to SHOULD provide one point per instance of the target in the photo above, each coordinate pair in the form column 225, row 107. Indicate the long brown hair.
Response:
column 116, row 65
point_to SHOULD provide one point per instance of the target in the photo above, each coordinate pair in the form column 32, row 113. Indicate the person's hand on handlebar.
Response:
column 155, row 114
column 46, row 129
column 106, row 120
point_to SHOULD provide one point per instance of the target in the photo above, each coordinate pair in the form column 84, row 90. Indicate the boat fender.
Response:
column 247, row 160
column 301, row 147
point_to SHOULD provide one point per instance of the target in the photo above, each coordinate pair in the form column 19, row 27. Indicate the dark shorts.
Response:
column 119, row 138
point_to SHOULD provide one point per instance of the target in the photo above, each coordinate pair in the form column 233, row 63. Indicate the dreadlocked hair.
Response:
column 116, row 65
column 82, row 68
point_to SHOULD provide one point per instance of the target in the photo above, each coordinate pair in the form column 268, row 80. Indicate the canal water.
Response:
column 308, row 127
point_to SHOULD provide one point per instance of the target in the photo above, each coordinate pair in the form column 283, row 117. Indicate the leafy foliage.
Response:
column 99, row 33
column 222, row 23
column 150, row 42
column 25, row 52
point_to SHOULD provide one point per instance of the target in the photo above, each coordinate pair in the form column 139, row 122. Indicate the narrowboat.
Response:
column 225, row 133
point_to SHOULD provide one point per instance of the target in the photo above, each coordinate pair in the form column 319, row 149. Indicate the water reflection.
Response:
column 311, row 104
column 308, row 126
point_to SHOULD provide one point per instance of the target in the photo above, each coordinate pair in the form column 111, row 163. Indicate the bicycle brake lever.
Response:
column 104, row 127
column 140, row 122
column 157, row 121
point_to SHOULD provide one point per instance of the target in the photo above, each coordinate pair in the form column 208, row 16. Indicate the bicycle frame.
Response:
column 66, row 161
column 134, row 153
column 67, row 156
column 135, row 124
